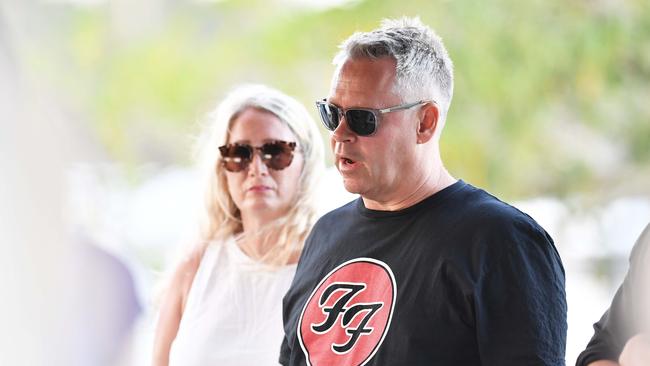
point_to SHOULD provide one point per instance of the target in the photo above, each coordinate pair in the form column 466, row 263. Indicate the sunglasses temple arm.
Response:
column 400, row 107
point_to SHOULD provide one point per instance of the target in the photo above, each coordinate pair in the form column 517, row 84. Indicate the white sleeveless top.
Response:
column 233, row 313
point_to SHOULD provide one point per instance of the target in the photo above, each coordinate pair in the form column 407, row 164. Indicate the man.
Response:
column 422, row 269
column 622, row 336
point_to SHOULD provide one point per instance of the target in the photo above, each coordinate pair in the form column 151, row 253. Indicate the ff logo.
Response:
column 348, row 315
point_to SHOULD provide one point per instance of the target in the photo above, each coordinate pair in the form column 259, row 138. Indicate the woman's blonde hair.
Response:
column 221, row 218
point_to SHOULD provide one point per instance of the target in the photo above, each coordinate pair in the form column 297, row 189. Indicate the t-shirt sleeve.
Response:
column 606, row 344
column 616, row 326
column 520, row 301
column 284, row 352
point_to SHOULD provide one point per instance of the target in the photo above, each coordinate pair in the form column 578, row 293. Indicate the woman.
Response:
column 262, row 154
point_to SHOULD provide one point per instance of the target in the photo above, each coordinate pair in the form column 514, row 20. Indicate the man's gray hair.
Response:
column 424, row 70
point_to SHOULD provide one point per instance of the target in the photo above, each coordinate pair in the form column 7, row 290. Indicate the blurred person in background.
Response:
column 66, row 301
column 261, row 155
column 622, row 335
column 106, row 305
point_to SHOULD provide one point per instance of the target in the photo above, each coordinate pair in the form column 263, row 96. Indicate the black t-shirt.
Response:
column 460, row 278
column 628, row 313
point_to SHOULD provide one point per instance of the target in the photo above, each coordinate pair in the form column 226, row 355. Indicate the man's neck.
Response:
column 428, row 187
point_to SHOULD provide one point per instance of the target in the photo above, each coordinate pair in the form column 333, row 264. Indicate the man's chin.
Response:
column 352, row 185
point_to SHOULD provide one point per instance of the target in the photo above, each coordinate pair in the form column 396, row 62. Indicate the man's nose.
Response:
column 342, row 133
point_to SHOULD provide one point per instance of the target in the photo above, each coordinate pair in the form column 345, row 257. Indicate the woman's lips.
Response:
column 259, row 188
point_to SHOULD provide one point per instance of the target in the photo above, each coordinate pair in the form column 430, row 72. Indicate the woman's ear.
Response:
column 428, row 125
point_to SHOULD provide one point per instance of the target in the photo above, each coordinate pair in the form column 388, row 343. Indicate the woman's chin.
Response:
column 263, row 208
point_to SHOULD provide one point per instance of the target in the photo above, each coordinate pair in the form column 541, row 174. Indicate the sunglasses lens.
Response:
column 277, row 155
column 329, row 114
column 361, row 122
column 235, row 157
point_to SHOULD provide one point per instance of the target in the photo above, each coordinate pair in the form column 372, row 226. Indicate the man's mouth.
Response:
column 346, row 164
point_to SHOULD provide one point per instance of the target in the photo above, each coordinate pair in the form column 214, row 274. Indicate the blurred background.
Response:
column 101, row 102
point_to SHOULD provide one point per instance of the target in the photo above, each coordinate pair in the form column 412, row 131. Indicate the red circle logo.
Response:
column 348, row 315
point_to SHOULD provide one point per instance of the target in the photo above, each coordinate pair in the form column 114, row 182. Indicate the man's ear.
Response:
column 429, row 114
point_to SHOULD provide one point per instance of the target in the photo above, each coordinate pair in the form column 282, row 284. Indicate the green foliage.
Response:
column 527, row 74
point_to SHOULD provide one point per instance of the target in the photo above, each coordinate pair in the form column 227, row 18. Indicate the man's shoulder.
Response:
column 501, row 232
column 485, row 212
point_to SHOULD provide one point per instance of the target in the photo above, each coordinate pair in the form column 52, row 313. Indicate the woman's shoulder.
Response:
column 185, row 271
column 190, row 263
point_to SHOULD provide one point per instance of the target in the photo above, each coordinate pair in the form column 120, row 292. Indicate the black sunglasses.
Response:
column 362, row 121
column 277, row 155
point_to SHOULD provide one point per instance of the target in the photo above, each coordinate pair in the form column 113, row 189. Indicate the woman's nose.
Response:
column 257, row 166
